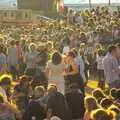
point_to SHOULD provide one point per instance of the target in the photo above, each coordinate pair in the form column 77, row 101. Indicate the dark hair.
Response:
column 115, row 109
column 100, row 114
column 111, row 48
column 17, row 42
column 75, row 51
column 91, row 103
column 106, row 103
column 56, row 58
column 5, row 80
column 25, row 78
column 12, row 42
column 100, row 52
column 113, row 93
column 98, row 94
column 71, row 54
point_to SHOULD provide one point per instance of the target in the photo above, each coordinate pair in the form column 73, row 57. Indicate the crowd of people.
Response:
column 45, row 68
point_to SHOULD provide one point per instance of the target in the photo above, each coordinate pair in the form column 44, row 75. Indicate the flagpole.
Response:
column 90, row 5
column 109, row 2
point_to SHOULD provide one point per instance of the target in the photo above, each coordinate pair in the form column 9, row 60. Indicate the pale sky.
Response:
column 86, row 1
column 9, row 2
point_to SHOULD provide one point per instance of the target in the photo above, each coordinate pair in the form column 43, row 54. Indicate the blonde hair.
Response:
column 51, row 88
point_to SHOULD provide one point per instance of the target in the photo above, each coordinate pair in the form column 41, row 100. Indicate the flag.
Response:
column 58, row 5
column 55, row 5
column 61, row 6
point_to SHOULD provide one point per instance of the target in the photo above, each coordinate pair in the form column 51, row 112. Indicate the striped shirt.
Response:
column 110, row 66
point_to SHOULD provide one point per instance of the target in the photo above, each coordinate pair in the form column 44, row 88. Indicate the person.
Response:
column 7, row 111
column 3, row 61
column 100, row 69
column 41, row 62
column 56, row 104
column 66, row 49
column 111, row 67
column 30, row 60
column 106, row 103
column 36, row 108
column 55, row 69
column 79, row 61
column 22, row 92
column 116, row 110
column 91, row 105
column 5, row 82
column 101, row 114
column 98, row 94
column 74, row 88
column 13, row 60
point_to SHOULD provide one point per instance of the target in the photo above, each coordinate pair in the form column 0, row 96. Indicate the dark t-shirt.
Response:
column 57, row 103
column 35, row 109
column 75, row 101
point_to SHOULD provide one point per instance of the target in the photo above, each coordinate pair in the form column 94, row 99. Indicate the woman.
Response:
column 30, row 60
column 74, row 88
column 55, row 69
column 91, row 105
column 100, row 69
column 8, row 111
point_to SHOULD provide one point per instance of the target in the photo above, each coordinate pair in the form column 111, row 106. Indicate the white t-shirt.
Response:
column 100, row 65
column 66, row 49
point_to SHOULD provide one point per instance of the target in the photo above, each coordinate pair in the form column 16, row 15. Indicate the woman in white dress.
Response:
column 55, row 68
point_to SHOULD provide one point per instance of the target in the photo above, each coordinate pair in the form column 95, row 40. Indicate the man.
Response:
column 111, row 67
column 3, row 64
column 12, row 59
column 56, row 105
column 36, row 107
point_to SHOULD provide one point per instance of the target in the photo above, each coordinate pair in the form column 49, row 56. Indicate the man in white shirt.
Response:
column 111, row 68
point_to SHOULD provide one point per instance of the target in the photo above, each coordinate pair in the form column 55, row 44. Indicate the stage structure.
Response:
column 15, row 16
column 41, row 5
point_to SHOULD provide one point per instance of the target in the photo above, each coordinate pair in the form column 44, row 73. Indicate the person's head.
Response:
column 32, row 47
column 12, row 43
column 49, row 46
column 100, row 114
column 83, row 35
column 100, row 52
column 5, row 81
column 39, row 91
column 24, row 80
column 71, row 56
column 112, row 49
column 115, row 109
column 56, row 58
column 106, row 103
column 40, row 47
column 51, row 88
column 17, row 42
column 98, row 94
column 113, row 93
column 90, row 103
